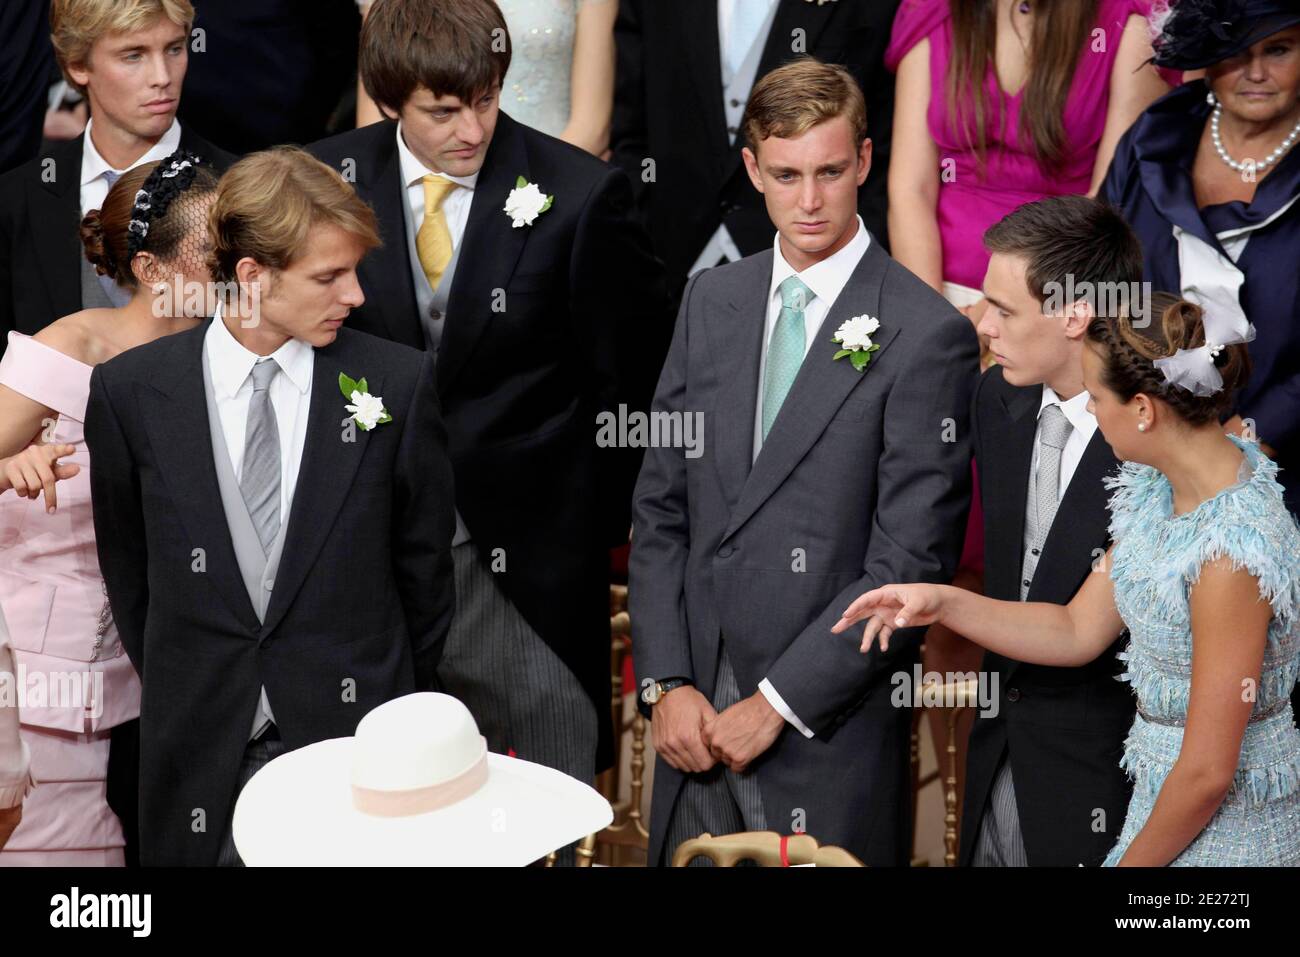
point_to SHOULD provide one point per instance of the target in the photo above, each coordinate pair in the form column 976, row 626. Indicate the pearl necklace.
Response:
column 1263, row 164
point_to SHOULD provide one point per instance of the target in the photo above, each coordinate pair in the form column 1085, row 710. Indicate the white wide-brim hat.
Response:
column 414, row 787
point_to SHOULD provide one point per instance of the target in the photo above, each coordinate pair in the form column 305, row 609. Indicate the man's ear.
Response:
column 1078, row 316
column 751, row 167
column 79, row 74
column 864, row 160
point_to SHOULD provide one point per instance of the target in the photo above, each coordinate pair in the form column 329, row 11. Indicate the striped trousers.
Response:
column 1000, row 843
column 257, row 755
column 718, row 801
column 523, row 697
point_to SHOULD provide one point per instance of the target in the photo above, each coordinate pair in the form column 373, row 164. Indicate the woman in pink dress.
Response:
column 15, row 758
column 76, row 682
column 1000, row 103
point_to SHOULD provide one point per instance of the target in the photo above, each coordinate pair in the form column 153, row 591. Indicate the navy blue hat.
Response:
column 1200, row 33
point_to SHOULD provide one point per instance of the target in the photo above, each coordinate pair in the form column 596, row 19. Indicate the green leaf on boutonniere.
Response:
column 842, row 353
column 861, row 357
column 520, row 183
column 546, row 205
column 347, row 386
column 361, row 386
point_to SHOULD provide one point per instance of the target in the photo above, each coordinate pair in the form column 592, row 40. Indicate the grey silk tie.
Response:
column 118, row 296
column 259, row 478
column 1053, row 431
column 1052, row 434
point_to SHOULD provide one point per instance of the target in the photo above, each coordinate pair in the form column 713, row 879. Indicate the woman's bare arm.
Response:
column 1229, row 631
column 1134, row 85
column 591, row 98
column 914, row 172
column 1036, row 632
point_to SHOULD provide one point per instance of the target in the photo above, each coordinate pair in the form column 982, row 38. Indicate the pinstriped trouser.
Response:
column 256, row 756
column 1000, row 843
column 719, row 800
column 521, row 694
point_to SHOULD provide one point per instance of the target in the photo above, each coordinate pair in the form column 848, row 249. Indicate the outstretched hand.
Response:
column 890, row 607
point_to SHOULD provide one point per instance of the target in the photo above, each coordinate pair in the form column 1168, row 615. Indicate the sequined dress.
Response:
column 1157, row 558
column 537, row 87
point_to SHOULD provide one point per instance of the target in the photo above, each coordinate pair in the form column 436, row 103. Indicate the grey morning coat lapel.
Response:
column 818, row 391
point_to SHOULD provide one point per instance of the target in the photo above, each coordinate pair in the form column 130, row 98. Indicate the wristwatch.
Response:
column 655, row 690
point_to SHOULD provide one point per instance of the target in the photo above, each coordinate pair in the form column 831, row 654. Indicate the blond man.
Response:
column 826, row 466
column 128, row 57
column 275, row 508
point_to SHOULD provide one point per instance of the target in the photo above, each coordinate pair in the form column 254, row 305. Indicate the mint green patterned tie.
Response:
column 786, row 350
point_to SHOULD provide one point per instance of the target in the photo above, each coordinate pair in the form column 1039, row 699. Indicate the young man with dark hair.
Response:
column 1043, row 781
column 515, row 259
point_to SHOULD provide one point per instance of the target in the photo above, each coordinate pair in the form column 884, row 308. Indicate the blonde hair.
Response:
column 75, row 25
column 794, row 98
column 268, row 202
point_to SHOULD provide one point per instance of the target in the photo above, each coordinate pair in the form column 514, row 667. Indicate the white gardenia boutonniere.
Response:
column 526, row 202
column 854, row 339
column 367, row 410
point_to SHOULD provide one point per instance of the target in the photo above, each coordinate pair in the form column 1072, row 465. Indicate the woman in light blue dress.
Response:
column 1204, row 572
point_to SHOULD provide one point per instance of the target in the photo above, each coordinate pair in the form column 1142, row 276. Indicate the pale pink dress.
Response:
column 62, row 635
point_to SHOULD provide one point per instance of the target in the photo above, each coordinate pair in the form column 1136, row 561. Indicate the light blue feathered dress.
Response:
column 1157, row 558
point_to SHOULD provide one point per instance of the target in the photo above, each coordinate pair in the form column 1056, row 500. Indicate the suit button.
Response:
column 732, row 130
column 269, row 584
column 1013, row 694
column 735, row 102
column 725, row 551
column 1025, row 583
column 1033, row 551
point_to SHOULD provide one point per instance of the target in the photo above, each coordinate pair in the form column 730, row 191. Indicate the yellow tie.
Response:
column 433, row 241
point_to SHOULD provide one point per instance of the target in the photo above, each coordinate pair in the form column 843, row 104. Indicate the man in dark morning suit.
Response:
column 540, row 320
column 819, row 474
column 1044, row 786
column 685, row 70
column 132, row 81
column 275, row 566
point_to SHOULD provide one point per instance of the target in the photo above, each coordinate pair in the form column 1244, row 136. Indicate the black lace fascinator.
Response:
column 173, row 177
column 1199, row 33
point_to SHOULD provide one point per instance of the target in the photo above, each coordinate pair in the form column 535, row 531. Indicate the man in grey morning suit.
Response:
column 816, row 481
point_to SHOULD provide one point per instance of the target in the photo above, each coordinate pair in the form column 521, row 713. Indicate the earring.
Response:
column 1142, row 426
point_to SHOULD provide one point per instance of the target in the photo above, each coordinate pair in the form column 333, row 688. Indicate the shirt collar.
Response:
column 94, row 166
column 230, row 363
column 1075, row 409
column 413, row 170
column 827, row 278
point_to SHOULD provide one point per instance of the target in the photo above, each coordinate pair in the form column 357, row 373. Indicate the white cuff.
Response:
column 783, row 709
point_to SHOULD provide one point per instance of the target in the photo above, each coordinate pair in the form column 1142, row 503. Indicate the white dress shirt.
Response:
column 1083, row 423
column 93, row 166
column 721, row 246
column 231, row 365
column 826, row 279
column 726, row 13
